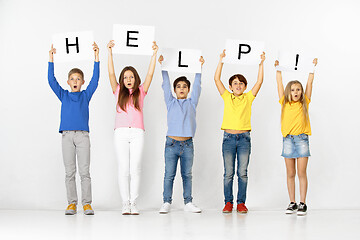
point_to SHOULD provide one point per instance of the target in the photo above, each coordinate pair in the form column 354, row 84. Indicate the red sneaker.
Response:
column 228, row 207
column 241, row 208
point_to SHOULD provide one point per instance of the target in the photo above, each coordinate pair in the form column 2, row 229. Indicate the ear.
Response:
column 230, row 87
column 68, row 82
column 83, row 81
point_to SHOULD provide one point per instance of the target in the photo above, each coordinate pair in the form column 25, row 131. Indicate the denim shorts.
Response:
column 296, row 146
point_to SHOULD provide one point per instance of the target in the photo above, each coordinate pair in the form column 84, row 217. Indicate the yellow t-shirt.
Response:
column 237, row 111
column 293, row 118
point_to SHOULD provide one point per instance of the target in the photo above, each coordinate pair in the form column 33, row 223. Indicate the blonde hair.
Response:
column 287, row 99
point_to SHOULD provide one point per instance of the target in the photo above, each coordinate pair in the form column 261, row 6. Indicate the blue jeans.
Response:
column 236, row 145
column 173, row 151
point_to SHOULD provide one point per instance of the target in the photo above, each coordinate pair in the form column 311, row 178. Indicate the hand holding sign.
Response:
column 96, row 51
column 202, row 61
column 155, row 48
column 51, row 53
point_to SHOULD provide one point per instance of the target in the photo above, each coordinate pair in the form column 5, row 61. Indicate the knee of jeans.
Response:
column 187, row 175
column 229, row 173
column 70, row 173
column 242, row 173
column 169, row 175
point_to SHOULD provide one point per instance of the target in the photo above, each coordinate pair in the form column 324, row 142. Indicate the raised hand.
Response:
column 315, row 61
column 110, row 45
column 161, row 59
column 276, row 63
column 202, row 60
column 155, row 48
column 96, row 51
column 222, row 55
column 51, row 53
column 262, row 56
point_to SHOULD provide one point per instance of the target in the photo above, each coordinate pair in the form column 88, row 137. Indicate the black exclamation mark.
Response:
column 297, row 59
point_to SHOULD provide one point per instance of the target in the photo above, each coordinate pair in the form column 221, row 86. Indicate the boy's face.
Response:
column 129, row 79
column 181, row 90
column 237, row 87
column 75, row 82
column 295, row 92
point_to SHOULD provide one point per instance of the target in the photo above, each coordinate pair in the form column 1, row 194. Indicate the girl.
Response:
column 237, row 126
column 295, row 128
column 129, row 127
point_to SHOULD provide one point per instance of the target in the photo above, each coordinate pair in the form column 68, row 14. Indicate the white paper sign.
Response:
column 291, row 61
column 243, row 52
column 181, row 60
column 74, row 46
column 133, row 39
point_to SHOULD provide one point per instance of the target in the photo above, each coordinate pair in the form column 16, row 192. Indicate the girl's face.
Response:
column 237, row 87
column 181, row 90
column 296, row 92
column 129, row 79
column 75, row 81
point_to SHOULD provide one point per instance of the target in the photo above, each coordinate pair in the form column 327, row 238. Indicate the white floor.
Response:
column 211, row 224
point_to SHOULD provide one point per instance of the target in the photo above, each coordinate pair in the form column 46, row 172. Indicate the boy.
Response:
column 237, row 126
column 74, row 127
column 181, row 129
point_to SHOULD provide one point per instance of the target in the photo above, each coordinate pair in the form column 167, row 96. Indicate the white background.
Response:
column 31, row 168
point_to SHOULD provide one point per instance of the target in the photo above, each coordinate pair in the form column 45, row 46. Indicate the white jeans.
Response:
column 129, row 144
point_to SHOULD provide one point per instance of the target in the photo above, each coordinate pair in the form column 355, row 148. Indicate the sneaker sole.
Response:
column 125, row 213
column 134, row 213
column 290, row 212
column 89, row 213
column 70, row 213
column 227, row 211
column 301, row 213
column 241, row 211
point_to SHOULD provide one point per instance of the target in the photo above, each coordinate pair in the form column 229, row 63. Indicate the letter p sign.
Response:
column 243, row 52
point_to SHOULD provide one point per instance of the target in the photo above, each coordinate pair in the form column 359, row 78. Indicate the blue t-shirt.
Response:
column 74, row 105
column 181, row 113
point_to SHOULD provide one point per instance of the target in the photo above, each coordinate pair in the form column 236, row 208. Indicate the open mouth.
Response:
column 129, row 84
column 75, row 87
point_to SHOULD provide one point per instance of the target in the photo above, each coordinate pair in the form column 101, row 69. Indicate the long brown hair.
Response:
column 287, row 99
column 124, row 93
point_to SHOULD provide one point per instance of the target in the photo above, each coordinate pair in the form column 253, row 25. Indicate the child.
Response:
column 129, row 127
column 74, row 127
column 237, row 126
column 181, row 129
column 295, row 128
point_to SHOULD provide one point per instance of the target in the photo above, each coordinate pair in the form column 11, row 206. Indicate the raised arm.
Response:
column 166, row 84
column 111, row 70
column 96, row 74
column 57, row 89
column 151, row 70
column 195, row 94
column 309, row 84
column 280, row 85
column 260, row 78
column 218, row 83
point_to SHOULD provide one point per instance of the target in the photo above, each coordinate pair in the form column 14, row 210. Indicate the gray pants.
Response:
column 77, row 144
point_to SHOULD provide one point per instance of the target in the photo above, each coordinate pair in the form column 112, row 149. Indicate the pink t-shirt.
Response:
column 132, row 117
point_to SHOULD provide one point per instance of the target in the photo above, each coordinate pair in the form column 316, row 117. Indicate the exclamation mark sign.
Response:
column 297, row 59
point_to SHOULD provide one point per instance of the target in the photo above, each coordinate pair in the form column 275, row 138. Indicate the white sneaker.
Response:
column 133, row 209
column 165, row 208
column 190, row 207
column 126, row 208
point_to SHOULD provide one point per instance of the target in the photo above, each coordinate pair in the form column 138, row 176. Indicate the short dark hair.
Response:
column 240, row 77
column 76, row 70
column 182, row 79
